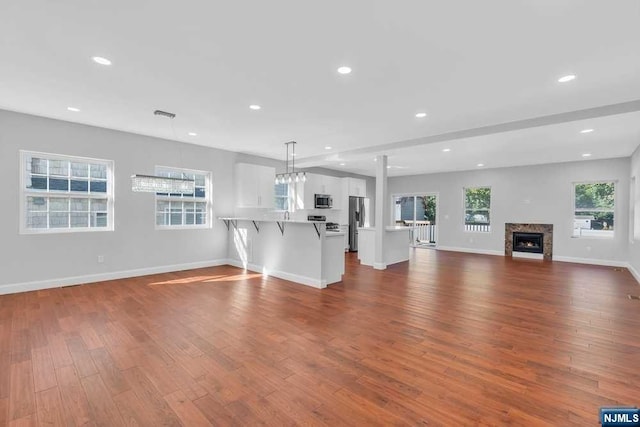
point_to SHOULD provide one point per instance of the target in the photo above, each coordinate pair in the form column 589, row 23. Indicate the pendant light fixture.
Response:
column 290, row 176
column 162, row 184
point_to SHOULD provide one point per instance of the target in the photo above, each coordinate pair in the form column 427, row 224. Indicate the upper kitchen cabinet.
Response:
column 322, row 184
column 254, row 186
column 355, row 187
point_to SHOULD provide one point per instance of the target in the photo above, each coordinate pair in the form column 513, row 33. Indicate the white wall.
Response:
column 634, row 243
column 135, row 244
column 531, row 194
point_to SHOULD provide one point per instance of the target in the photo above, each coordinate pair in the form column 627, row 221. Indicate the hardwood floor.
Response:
column 446, row 339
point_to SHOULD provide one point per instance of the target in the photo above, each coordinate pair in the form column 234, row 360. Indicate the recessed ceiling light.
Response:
column 566, row 78
column 388, row 167
column 586, row 155
column 328, row 148
column 342, row 164
column 74, row 109
column 255, row 107
column 421, row 115
column 192, row 134
column 100, row 60
column 480, row 165
column 586, row 131
column 344, row 70
column 446, row 150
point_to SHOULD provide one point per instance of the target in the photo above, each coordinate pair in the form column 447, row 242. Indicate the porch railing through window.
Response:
column 423, row 232
column 477, row 227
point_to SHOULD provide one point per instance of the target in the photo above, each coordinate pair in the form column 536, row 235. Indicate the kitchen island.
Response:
column 300, row 251
column 396, row 246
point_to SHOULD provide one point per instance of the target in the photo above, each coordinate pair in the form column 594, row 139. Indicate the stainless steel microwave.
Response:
column 323, row 201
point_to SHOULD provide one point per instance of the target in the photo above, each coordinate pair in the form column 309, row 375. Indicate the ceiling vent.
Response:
column 164, row 113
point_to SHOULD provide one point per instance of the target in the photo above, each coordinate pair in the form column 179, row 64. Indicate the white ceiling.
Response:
column 468, row 64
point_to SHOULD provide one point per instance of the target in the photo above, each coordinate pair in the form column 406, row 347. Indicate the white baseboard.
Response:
column 634, row 273
column 592, row 261
column 471, row 250
column 13, row 288
column 379, row 266
column 304, row 280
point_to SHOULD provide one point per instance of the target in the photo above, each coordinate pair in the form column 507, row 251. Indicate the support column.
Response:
column 382, row 212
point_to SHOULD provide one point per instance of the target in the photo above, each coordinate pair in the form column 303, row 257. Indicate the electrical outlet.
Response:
column 588, row 248
column 100, row 259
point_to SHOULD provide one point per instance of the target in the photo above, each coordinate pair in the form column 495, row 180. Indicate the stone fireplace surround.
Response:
column 547, row 241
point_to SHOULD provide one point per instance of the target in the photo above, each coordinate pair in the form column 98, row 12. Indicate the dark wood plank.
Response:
column 50, row 411
column 133, row 410
column 21, row 394
column 109, row 371
column 5, row 371
column 28, row 421
column 215, row 412
column 74, row 400
column 103, row 410
column 151, row 399
column 187, row 412
column 44, row 374
column 59, row 351
column 4, row 411
column 81, row 357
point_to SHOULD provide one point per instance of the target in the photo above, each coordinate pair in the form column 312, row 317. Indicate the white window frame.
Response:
column 288, row 197
column 634, row 229
column 615, row 207
column 208, row 199
column 464, row 209
column 26, row 192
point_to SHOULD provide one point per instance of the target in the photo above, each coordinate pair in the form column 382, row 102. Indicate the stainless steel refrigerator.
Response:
column 356, row 219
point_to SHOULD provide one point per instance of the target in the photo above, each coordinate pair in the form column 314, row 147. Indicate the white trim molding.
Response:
column 471, row 250
column 13, row 288
column 634, row 272
column 592, row 261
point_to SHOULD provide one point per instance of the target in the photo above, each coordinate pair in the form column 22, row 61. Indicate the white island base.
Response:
column 299, row 251
column 396, row 246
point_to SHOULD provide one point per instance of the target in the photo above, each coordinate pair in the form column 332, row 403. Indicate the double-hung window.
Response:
column 281, row 197
column 63, row 193
column 594, row 209
column 176, row 210
column 477, row 209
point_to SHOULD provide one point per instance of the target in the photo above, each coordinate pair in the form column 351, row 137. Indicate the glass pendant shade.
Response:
column 290, row 175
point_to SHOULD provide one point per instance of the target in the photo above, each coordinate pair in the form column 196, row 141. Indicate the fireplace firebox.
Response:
column 528, row 242
column 545, row 243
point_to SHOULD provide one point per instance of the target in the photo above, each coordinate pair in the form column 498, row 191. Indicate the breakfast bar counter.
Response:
column 299, row 251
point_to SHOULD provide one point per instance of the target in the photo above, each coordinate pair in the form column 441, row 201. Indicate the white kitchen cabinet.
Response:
column 345, row 230
column 356, row 187
column 333, row 186
column 254, row 186
column 350, row 187
column 308, row 190
column 322, row 184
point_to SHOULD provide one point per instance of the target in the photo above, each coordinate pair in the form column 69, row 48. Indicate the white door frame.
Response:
column 392, row 202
